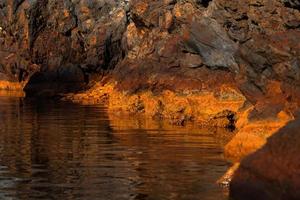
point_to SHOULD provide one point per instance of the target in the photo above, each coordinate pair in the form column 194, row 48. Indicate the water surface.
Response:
column 54, row 150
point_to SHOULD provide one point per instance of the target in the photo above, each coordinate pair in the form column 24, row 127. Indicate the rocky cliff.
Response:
column 233, row 64
column 61, row 42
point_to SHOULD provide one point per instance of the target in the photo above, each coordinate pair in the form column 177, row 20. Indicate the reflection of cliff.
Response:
column 162, row 128
column 67, row 151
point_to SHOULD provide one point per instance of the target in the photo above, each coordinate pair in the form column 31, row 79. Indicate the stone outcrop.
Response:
column 206, row 108
column 273, row 171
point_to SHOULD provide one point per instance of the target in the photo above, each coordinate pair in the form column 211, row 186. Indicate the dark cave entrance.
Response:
column 52, row 84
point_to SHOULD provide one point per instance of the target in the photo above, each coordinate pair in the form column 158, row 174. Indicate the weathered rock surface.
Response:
column 64, row 41
column 272, row 172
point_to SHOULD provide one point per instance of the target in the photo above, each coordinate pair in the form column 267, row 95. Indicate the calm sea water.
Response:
column 54, row 150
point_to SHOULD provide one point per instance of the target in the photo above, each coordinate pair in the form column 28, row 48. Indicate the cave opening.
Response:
column 53, row 83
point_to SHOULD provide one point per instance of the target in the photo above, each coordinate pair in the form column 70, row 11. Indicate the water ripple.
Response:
column 51, row 150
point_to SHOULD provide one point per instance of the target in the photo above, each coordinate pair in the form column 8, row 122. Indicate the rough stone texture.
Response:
column 65, row 41
column 272, row 172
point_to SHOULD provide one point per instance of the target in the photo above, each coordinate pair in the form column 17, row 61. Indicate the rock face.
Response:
column 272, row 172
column 64, row 41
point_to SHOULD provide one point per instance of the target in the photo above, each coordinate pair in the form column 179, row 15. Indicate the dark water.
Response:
column 51, row 150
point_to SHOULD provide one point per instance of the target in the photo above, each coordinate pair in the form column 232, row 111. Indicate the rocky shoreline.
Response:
column 224, row 109
column 230, row 64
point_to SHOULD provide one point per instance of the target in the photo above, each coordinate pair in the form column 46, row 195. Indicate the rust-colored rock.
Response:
column 206, row 107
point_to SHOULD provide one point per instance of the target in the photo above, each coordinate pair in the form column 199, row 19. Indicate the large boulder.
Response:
column 272, row 172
